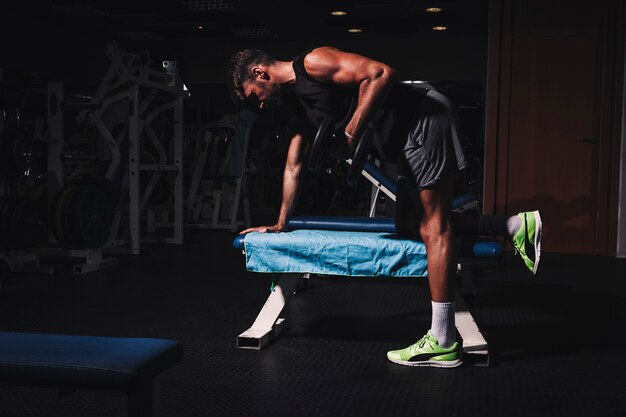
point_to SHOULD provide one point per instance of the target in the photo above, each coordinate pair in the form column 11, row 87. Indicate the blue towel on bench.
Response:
column 335, row 253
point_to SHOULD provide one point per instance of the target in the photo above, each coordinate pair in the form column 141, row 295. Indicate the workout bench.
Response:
column 355, row 246
column 88, row 363
column 338, row 252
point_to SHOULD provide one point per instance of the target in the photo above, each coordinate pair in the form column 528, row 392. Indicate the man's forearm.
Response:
column 372, row 93
column 291, row 181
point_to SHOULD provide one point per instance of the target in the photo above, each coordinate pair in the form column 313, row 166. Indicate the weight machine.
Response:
column 71, row 216
column 220, row 169
column 149, row 95
column 120, row 120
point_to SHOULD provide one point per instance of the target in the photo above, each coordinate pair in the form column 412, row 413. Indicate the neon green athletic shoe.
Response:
column 527, row 240
column 427, row 352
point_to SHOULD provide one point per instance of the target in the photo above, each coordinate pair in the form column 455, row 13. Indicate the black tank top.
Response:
column 391, row 122
column 319, row 99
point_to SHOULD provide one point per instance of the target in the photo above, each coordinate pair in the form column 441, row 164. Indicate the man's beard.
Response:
column 275, row 97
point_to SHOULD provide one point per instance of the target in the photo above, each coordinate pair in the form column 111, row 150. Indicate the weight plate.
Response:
column 318, row 154
column 93, row 216
column 360, row 156
column 101, row 182
column 57, row 215
column 68, row 212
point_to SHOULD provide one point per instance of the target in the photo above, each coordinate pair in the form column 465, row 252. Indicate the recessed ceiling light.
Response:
column 355, row 30
column 434, row 10
column 338, row 13
column 440, row 28
column 200, row 27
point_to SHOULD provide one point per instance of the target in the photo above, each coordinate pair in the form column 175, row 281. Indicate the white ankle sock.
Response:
column 442, row 326
column 513, row 224
column 506, row 226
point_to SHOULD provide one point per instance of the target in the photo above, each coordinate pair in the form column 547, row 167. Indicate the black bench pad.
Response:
column 84, row 362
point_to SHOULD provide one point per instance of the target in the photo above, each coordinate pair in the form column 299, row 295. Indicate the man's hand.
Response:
column 342, row 146
column 264, row 229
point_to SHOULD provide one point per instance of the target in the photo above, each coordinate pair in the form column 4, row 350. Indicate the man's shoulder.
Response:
column 318, row 52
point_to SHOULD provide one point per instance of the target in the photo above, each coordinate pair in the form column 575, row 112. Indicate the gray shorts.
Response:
column 434, row 145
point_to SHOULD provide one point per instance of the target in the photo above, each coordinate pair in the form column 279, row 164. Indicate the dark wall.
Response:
column 554, row 118
column 49, row 52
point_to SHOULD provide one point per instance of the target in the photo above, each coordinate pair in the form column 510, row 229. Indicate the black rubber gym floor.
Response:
column 556, row 342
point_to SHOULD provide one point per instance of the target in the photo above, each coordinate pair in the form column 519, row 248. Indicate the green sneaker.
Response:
column 527, row 240
column 427, row 352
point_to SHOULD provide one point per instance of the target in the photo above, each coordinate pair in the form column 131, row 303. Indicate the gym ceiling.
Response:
column 177, row 21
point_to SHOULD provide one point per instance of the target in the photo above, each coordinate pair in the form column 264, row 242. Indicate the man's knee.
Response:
column 435, row 230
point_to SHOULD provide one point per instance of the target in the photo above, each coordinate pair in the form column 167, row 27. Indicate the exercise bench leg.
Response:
column 475, row 347
column 268, row 324
column 144, row 400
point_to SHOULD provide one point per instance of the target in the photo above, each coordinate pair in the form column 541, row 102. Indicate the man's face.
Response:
column 267, row 92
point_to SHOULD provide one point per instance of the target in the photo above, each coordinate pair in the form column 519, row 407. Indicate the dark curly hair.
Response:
column 240, row 70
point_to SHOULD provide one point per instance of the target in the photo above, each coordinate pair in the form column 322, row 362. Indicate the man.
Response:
column 416, row 129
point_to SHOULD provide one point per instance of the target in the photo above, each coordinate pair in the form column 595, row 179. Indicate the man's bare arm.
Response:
column 291, row 183
column 291, row 179
column 374, row 80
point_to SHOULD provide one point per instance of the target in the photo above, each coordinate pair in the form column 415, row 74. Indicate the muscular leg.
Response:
column 428, row 213
column 430, row 154
column 437, row 234
column 439, row 346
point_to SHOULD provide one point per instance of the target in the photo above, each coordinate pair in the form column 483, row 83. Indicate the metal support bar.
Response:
column 94, row 266
column 373, row 199
column 178, row 161
column 198, row 169
column 27, row 261
column 267, row 324
column 157, row 167
column 474, row 344
column 93, row 258
column 376, row 183
column 55, row 139
column 133, row 170
column 144, row 399
column 240, row 182
column 96, row 119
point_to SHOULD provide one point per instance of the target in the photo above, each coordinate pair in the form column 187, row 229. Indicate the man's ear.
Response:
column 258, row 72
